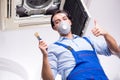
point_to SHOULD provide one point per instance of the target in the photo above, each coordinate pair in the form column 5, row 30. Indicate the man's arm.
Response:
column 111, row 42
column 46, row 70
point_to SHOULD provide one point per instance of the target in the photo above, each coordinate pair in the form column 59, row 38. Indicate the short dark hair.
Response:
column 60, row 11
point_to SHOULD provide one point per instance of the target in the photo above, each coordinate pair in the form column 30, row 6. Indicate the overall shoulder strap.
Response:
column 89, row 42
column 65, row 46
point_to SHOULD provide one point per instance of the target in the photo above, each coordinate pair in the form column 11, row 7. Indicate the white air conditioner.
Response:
column 16, row 14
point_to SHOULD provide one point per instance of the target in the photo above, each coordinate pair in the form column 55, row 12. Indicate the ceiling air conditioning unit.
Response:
column 15, row 14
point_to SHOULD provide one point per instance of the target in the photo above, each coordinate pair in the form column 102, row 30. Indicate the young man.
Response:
column 74, row 57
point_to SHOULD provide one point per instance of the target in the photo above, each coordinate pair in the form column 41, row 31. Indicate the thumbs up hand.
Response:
column 97, row 30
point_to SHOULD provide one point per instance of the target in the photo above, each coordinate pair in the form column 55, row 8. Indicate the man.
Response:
column 74, row 57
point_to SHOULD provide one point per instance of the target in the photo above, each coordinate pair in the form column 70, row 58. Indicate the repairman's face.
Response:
column 60, row 17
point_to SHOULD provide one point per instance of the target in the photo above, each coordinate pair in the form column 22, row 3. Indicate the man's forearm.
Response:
column 112, row 44
column 46, row 70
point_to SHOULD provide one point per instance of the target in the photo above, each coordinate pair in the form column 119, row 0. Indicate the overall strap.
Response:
column 65, row 46
column 89, row 42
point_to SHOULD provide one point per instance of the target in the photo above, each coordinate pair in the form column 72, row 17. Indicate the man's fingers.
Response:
column 95, row 22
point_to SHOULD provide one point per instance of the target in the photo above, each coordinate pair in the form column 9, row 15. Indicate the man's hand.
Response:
column 97, row 31
column 43, row 47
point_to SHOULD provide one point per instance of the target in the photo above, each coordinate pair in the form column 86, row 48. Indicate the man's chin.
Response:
column 63, row 34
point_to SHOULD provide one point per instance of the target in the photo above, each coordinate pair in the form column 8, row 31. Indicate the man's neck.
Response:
column 69, row 35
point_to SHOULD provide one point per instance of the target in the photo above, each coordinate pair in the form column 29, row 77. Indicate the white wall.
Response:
column 106, row 12
column 21, row 46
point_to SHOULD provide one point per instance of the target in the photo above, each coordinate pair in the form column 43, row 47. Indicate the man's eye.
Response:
column 57, row 22
column 65, row 18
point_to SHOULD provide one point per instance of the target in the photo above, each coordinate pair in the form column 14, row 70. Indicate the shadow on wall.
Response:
column 10, row 70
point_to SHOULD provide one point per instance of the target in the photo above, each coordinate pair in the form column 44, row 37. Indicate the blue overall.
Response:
column 87, row 64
